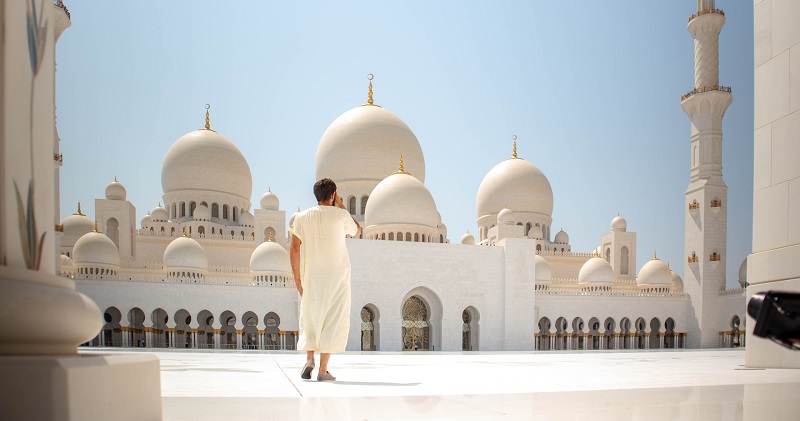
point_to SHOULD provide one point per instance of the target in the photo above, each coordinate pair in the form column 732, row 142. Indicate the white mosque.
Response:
column 207, row 269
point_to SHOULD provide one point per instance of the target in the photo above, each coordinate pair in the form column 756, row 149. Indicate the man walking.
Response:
column 323, row 276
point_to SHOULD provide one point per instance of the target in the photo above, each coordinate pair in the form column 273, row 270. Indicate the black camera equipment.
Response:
column 777, row 317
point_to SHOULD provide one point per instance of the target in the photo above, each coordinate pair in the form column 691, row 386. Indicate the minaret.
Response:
column 707, row 194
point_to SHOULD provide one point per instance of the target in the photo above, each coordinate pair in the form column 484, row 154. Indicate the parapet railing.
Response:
column 706, row 12
column 705, row 89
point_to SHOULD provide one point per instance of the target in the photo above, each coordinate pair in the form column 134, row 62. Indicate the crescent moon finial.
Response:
column 514, row 155
column 370, row 76
column 208, row 106
column 208, row 120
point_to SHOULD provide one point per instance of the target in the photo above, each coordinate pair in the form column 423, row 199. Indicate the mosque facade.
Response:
column 207, row 269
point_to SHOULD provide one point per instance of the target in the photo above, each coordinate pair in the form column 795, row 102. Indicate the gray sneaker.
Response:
column 327, row 377
column 305, row 373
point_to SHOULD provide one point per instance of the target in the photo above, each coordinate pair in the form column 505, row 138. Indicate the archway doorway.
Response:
column 469, row 329
column 369, row 334
column 416, row 326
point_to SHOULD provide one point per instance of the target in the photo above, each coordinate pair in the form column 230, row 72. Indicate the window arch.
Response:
column 192, row 207
column 215, row 210
column 224, row 211
column 351, row 205
column 623, row 257
column 364, row 204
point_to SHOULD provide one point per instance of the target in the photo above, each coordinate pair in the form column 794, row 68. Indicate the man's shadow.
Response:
column 346, row 383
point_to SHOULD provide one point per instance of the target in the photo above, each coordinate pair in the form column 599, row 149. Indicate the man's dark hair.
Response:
column 324, row 189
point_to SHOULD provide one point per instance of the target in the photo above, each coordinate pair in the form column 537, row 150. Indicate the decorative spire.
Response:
column 185, row 234
column 79, row 210
column 654, row 255
column 208, row 120
column 95, row 226
column 401, row 169
column 596, row 253
column 369, row 94
column 115, row 179
column 514, row 155
column 270, row 237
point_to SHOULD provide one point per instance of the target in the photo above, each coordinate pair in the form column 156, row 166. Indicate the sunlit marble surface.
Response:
column 622, row 385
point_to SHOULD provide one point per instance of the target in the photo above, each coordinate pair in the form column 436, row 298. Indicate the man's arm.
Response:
column 337, row 201
column 294, row 257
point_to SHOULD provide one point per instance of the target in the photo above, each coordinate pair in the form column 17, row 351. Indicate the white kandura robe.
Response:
column 325, row 277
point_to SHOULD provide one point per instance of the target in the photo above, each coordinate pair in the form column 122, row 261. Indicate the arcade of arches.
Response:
column 184, row 330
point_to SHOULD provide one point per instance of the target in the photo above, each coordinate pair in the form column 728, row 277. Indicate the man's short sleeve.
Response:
column 350, row 227
column 296, row 229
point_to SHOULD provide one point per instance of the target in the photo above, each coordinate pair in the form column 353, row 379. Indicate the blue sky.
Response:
column 591, row 89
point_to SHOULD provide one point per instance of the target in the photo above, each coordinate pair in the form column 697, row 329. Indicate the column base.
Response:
column 124, row 387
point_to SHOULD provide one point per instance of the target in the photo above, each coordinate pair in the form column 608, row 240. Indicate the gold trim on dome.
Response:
column 514, row 155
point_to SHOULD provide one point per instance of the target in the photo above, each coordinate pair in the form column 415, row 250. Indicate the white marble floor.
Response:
column 622, row 385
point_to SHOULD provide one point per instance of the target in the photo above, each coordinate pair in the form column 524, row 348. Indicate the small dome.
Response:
column 65, row 261
column 542, row 269
column 75, row 227
column 536, row 232
column 401, row 199
column 269, row 201
column 270, row 257
column 743, row 273
column 95, row 248
column 363, row 145
column 619, row 224
column 468, row 239
column 505, row 217
column 596, row 271
column 185, row 253
column 247, row 219
column 202, row 213
column 159, row 214
column 516, row 184
column 115, row 191
column 561, row 238
column 677, row 282
column 654, row 273
column 147, row 220
column 204, row 160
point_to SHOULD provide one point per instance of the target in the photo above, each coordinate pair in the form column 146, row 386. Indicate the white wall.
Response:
column 775, row 262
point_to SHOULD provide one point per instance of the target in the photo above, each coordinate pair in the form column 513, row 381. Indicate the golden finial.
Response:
column 514, row 155
column 401, row 169
column 654, row 255
column 79, row 210
column 596, row 253
column 185, row 234
column 95, row 226
column 369, row 95
column 208, row 121
column 115, row 179
column 270, row 237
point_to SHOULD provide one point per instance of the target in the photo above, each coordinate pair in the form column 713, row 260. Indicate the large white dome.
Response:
column 655, row 273
column 95, row 248
column 185, row 253
column 75, row 227
column 401, row 199
column 205, row 160
column 270, row 257
column 518, row 185
column 364, row 144
column 596, row 271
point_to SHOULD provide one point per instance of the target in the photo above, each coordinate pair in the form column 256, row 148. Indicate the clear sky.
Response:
column 592, row 90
